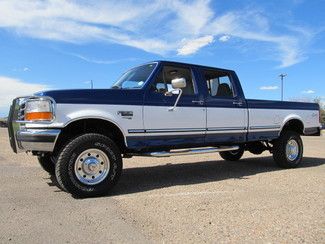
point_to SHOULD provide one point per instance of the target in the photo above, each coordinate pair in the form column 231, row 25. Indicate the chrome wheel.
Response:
column 292, row 150
column 91, row 166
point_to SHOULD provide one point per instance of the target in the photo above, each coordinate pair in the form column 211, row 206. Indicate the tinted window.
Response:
column 167, row 74
column 218, row 83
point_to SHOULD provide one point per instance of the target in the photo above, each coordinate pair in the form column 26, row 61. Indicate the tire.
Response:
column 232, row 155
column 89, row 165
column 47, row 162
column 288, row 150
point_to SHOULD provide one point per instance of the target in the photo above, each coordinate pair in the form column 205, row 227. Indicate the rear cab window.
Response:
column 219, row 83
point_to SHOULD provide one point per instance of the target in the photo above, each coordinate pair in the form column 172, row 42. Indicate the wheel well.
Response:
column 294, row 125
column 83, row 126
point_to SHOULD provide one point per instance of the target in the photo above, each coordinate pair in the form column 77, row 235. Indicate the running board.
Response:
column 189, row 151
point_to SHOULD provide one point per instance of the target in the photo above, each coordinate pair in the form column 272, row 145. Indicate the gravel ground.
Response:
column 179, row 199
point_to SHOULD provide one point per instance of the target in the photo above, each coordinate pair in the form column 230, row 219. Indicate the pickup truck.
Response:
column 158, row 109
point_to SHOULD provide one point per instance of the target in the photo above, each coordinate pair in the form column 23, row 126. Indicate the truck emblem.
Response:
column 125, row 114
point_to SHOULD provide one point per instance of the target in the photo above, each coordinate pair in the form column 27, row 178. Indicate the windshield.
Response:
column 134, row 78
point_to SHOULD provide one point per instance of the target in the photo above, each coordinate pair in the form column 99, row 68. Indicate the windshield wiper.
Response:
column 116, row 87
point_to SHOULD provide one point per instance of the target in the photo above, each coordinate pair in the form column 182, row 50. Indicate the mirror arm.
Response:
column 176, row 102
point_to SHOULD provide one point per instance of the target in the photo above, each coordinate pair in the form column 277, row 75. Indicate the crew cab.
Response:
column 158, row 109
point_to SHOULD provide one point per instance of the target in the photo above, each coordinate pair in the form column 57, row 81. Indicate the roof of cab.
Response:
column 197, row 65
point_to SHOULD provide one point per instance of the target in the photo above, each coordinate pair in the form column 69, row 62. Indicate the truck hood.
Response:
column 96, row 96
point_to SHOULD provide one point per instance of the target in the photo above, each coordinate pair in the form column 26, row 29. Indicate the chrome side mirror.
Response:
column 178, row 84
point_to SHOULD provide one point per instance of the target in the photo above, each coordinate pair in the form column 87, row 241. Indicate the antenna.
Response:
column 282, row 76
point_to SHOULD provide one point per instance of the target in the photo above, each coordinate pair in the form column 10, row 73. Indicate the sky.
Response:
column 57, row 44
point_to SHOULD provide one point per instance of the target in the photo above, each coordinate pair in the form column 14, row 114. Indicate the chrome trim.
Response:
column 292, row 150
column 177, row 99
column 175, row 130
column 37, row 139
column 92, row 166
column 226, row 128
column 189, row 151
column 265, row 128
column 136, row 131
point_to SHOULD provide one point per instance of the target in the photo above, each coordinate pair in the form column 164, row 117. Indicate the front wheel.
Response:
column 288, row 150
column 234, row 155
column 89, row 165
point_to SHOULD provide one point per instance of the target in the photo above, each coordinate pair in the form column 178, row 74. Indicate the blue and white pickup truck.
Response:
column 157, row 109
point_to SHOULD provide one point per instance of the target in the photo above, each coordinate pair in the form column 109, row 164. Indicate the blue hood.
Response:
column 96, row 96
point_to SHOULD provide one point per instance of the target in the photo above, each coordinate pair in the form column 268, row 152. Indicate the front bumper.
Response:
column 42, row 140
column 23, row 139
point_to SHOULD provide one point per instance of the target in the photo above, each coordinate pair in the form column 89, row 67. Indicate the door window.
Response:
column 218, row 84
column 163, row 81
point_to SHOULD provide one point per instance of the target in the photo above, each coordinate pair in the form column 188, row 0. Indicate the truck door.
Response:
column 184, row 126
column 227, row 116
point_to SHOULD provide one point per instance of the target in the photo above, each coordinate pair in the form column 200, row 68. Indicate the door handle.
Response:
column 200, row 102
column 239, row 103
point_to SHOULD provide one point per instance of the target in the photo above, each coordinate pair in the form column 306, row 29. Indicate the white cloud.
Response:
column 158, row 27
column 224, row 38
column 269, row 87
column 308, row 92
column 23, row 69
column 98, row 61
column 11, row 88
column 192, row 46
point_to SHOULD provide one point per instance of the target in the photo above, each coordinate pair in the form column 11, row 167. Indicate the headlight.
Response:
column 39, row 110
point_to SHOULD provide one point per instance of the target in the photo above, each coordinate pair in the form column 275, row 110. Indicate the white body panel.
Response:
column 67, row 113
column 192, row 119
column 277, row 118
column 227, row 118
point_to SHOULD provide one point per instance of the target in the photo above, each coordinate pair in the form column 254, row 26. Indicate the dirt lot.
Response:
column 180, row 199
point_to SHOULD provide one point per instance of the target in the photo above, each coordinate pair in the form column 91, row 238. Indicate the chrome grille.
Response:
column 21, row 109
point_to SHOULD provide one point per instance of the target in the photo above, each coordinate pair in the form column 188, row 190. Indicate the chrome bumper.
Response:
column 23, row 139
column 37, row 139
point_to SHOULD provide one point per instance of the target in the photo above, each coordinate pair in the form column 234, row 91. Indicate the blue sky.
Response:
column 63, row 44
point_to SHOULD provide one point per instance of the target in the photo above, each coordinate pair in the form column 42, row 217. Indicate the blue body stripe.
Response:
column 136, row 97
column 265, row 104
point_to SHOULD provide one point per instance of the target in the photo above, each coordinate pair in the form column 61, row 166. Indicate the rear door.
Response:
column 227, row 116
column 184, row 126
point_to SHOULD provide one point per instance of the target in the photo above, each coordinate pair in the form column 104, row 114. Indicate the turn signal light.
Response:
column 39, row 116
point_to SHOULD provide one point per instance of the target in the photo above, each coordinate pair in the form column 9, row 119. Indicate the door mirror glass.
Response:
column 178, row 83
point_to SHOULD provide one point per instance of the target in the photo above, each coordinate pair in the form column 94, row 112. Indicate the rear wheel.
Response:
column 232, row 155
column 288, row 150
column 47, row 162
column 89, row 165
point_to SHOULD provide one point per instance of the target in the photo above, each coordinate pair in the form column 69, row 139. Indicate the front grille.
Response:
column 21, row 109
